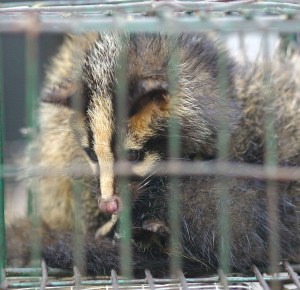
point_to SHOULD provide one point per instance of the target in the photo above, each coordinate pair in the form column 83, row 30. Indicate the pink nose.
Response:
column 111, row 206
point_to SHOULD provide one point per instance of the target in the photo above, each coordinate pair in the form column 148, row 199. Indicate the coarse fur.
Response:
column 79, row 127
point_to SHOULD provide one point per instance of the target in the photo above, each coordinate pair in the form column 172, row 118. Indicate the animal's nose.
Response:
column 111, row 206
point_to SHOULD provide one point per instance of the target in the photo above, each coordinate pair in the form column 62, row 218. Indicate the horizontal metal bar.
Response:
column 171, row 168
column 152, row 5
column 214, row 279
column 28, row 272
column 77, row 2
column 57, row 23
column 92, row 2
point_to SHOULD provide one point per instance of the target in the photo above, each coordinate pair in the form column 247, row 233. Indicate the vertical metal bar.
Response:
column 3, row 281
column 77, row 240
column 292, row 274
column 31, row 77
column 223, row 279
column 77, row 189
column 150, row 280
column 2, row 217
column 77, row 278
column 174, row 153
column 183, row 281
column 260, row 278
column 222, row 189
column 270, row 165
column 114, row 280
column 44, row 275
column 122, row 117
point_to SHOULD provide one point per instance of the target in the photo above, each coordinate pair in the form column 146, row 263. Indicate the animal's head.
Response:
column 149, row 102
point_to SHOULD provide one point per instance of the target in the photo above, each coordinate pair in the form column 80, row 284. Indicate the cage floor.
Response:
column 283, row 281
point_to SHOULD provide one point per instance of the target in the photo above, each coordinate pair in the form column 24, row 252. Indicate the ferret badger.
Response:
column 85, row 69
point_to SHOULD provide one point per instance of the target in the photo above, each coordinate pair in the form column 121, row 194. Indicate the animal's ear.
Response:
column 148, row 95
column 61, row 93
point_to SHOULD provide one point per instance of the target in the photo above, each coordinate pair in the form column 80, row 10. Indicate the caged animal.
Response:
column 84, row 71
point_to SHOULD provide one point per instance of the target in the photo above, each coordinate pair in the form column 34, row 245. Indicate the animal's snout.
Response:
column 111, row 206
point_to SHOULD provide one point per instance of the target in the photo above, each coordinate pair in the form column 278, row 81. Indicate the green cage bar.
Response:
column 270, row 165
column 222, row 190
column 191, row 23
column 78, row 187
column 261, row 7
column 31, row 78
column 2, row 216
column 78, row 240
column 122, row 117
column 174, row 148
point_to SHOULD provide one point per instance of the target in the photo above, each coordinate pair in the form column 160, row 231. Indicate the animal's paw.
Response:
column 156, row 226
column 107, row 227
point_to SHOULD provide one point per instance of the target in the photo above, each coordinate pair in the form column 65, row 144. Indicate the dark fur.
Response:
column 247, row 204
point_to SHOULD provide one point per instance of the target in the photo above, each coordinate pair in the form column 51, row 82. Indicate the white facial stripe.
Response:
column 106, row 176
column 102, row 126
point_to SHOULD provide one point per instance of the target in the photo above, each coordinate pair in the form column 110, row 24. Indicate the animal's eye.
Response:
column 134, row 155
column 91, row 153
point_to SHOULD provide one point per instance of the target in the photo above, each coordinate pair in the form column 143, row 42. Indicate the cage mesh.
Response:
column 223, row 17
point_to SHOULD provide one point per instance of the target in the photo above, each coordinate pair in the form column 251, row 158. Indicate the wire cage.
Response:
column 233, row 22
